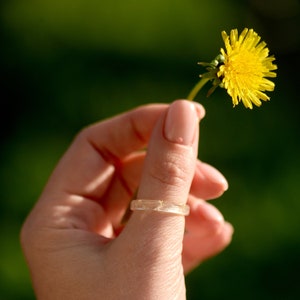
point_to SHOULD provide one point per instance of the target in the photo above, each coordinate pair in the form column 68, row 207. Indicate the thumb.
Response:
column 168, row 172
column 150, row 246
column 171, row 157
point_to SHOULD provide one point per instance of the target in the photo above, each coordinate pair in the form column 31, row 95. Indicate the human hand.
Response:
column 74, row 241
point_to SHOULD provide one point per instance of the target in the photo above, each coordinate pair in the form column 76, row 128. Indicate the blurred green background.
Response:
column 66, row 64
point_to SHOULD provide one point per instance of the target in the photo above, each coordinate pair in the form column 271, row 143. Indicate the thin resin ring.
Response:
column 160, row 206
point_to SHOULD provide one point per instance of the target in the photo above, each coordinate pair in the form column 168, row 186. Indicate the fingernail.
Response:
column 181, row 122
column 200, row 110
column 214, row 176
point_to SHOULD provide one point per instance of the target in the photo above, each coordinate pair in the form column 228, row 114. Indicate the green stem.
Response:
column 197, row 88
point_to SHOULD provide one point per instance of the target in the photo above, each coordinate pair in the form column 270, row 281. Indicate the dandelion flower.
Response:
column 242, row 69
column 246, row 65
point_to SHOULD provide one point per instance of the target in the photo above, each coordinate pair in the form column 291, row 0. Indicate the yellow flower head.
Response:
column 241, row 69
column 245, row 67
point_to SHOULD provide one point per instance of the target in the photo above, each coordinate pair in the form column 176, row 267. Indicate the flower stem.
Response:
column 197, row 88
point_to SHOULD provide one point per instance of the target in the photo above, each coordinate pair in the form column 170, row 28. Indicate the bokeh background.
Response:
column 66, row 64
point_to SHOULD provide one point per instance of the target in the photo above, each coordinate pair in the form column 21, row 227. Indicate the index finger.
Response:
column 117, row 137
column 89, row 164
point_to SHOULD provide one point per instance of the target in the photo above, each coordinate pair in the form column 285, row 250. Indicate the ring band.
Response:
column 160, row 206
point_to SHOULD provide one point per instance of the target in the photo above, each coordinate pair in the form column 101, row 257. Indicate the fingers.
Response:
column 206, row 233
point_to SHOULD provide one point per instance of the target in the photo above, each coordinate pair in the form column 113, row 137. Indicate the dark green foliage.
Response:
column 66, row 64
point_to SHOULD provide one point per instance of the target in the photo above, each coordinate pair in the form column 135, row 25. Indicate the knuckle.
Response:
column 25, row 236
column 31, row 236
column 172, row 170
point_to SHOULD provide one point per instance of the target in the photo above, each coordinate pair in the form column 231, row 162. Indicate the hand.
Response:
column 74, row 240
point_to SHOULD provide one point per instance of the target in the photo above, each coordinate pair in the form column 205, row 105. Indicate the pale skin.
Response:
column 74, row 240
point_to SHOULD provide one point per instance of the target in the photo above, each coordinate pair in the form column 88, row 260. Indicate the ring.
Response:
column 160, row 206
